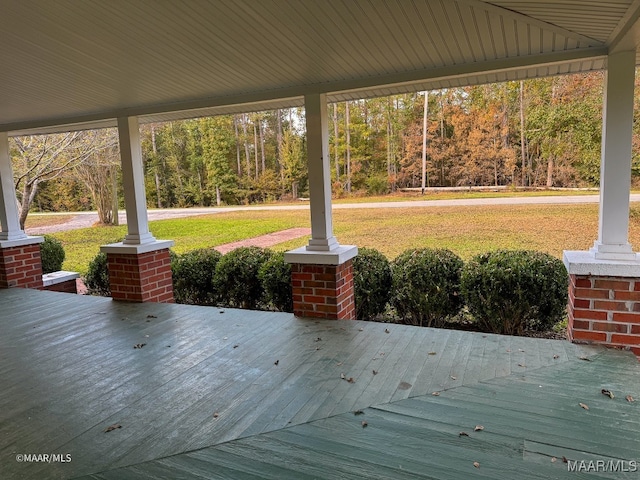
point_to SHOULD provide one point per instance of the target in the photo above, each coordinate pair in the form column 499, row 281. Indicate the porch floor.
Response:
column 224, row 393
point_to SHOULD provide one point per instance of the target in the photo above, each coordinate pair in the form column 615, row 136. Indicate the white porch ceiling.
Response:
column 85, row 62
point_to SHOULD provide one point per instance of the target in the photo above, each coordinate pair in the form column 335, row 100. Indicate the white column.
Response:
column 322, row 238
column 9, row 217
column 133, row 182
column 615, row 166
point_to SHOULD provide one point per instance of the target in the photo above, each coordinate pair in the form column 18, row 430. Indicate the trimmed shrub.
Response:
column 193, row 276
column 97, row 277
column 426, row 285
column 372, row 283
column 52, row 254
column 275, row 276
column 510, row 291
column 236, row 278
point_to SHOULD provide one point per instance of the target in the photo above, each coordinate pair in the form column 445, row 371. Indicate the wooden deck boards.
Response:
column 204, row 397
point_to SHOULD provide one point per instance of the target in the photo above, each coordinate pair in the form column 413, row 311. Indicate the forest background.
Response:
column 542, row 132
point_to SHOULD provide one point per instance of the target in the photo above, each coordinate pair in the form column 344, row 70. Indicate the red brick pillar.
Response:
column 605, row 310
column 20, row 264
column 323, row 291
column 140, row 277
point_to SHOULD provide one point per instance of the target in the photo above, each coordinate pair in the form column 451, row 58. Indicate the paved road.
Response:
column 86, row 219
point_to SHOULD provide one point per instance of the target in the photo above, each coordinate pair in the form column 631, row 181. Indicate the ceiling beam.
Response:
column 626, row 35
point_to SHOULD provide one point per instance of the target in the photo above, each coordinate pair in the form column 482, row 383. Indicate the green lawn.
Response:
column 465, row 230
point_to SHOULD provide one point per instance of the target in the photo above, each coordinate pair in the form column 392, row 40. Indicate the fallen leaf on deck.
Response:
column 361, row 329
column 522, row 365
column 151, row 316
column 404, row 386
column 586, row 359
column 111, row 428
column 225, row 338
column 476, row 464
column 555, row 357
column 364, row 424
column 478, row 428
column 554, row 459
column 375, row 372
column 358, row 412
column 463, row 434
column 453, row 378
column 435, row 394
column 629, row 398
column 608, row 393
column 386, row 330
column 276, row 362
column 520, row 350
column 236, row 346
column 342, row 376
column 216, row 415
column 318, row 339
column 584, row 406
column 338, row 364
column 564, row 459
column 433, row 353
column 221, row 311
column 351, row 380
column 139, row 345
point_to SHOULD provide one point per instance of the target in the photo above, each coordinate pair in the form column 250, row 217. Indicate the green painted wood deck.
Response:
column 224, row 393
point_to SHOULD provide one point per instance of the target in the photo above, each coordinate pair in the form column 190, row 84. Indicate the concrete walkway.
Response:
column 87, row 219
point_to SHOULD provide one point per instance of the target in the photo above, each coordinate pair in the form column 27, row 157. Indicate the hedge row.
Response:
column 505, row 291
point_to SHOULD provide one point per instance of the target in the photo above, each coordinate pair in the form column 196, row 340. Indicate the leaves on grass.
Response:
column 586, row 407
column 478, row 428
column 476, row 464
column 463, row 434
column 364, row 424
column 629, row 398
column 113, row 427
column 608, row 393
column 276, row 362
column 139, row 345
column 358, row 412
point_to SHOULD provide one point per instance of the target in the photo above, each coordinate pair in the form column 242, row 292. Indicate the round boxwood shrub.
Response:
column 508, row 291
column 97, row 277
column 426, row 285
column 372, row 283
column 193, row 276
column 51, row 254
column 236, row 278
column 275, row 276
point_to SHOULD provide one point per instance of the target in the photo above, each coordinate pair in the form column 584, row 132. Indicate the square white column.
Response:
column 322, row 238
column 9, row 216
column 615, row 167
column 133, row 183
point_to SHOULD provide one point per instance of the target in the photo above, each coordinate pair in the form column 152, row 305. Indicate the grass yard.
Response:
column 465, row 230
column 35, row 220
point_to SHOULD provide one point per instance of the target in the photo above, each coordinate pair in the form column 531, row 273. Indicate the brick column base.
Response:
column 323, row 291
column 605, row 310
column 143, row 277
column 21, row 266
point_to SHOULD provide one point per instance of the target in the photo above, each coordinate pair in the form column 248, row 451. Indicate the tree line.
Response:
column 540, row 132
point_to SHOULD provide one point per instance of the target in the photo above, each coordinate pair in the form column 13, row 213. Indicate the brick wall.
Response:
column 144, row 277
column 323, row 291
column 605, row 310
column 21, row 267
column 68, row 286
